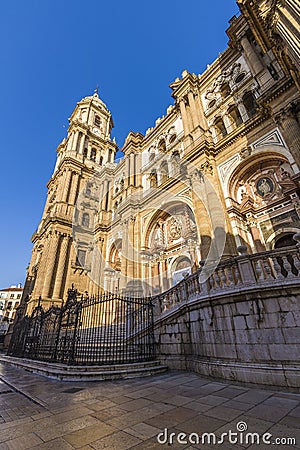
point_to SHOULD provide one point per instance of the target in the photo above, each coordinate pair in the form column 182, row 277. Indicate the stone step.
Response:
column 87, row 373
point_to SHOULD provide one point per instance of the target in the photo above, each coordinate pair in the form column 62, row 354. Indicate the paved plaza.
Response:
column 39, row 413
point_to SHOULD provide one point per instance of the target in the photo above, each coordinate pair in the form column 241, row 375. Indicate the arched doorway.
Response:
column 286, row 240
column 172, row 241
column 181, row 268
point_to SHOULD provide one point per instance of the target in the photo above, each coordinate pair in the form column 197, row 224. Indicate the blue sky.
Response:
column 53, row 53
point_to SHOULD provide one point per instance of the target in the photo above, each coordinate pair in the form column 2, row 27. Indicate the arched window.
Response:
column 97, row 121
column 225, row 90
column 220, row 127
column 101, row 160
column 164, row 171
column 212, row 103
column 234, row 113
column 172, row 138
column 285, row 241
column 249, row 103
column 85, row 220
column 151, row 156
column 93, row 154
column 240, row 77
column 153, row 179
column 162, row 145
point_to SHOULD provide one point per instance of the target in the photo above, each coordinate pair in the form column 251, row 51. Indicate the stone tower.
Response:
column 86, row 148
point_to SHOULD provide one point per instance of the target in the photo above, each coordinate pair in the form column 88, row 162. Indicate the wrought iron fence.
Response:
column 104, row 329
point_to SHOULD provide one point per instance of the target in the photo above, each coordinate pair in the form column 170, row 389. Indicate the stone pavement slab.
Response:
column 42, row 414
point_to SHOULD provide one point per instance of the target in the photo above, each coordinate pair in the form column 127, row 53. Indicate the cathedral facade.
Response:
column 219, row 172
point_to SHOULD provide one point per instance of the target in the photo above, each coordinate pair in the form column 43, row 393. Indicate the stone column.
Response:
column 74, row 187
column 61, row 269
column 161, row 275
column 136, row 249
column 61, row 184
column 67, row 186
column 110, row 191
column 105, row 193
column 138, row 169
column 183, row 111
column 291, row 131
column 130, row 248
column 127, row 172
column 166, row 275
column 189, row 116
column 155, row 278
column 230, row 247
column 74, row 140
column 202, row 217
column 82, row 142
column 42, row 264
column 193, row 110
column 256, row 236
column 50, row 268
column 199, row 111
column 251, row 56
column 70, row 141
column 131, row 169
column 124, row 256
column 101, row 193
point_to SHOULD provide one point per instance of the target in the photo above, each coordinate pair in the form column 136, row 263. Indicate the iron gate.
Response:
column 104, row 329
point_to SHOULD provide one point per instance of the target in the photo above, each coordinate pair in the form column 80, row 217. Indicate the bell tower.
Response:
column 88, row 139
column 85, row 149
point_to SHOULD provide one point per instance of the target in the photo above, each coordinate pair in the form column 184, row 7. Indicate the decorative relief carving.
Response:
column 265, row 187
column 174, row 229
column 207, row 168
column 225, row 76
column 245, row 152
column 290, row 112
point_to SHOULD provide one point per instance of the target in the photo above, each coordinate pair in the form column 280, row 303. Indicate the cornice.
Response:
column 165, row 121
column 48, row 222
column 276, row 90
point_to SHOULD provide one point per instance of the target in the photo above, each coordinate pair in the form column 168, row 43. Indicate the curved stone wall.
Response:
column 247, row 332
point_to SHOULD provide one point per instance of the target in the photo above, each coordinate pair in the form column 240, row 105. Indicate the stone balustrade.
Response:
column 237, row 320
column 241, row 272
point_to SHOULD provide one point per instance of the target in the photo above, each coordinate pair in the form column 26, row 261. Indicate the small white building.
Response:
column 10, row 299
